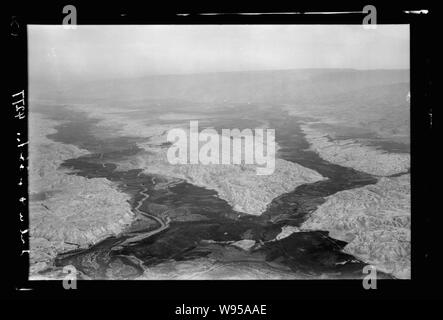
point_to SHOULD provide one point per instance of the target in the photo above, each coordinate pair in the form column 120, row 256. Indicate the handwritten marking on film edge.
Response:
column 19, row 107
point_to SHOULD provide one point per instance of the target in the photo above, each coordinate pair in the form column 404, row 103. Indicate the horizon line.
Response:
column 242, row 71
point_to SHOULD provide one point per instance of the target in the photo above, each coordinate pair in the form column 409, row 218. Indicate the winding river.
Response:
column 162, row 223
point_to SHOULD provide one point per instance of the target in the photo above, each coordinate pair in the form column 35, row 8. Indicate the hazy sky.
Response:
column 130, row 51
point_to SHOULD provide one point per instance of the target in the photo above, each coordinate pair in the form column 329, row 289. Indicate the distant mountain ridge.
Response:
column 274, row 86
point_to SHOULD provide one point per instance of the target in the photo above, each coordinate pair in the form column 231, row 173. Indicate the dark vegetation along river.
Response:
column 176, row 219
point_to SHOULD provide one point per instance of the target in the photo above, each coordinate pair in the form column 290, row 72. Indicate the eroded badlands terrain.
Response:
column 374, row 220
column 67, row 211
column 350, row 153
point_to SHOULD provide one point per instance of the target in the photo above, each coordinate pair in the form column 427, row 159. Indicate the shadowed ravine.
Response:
column 177, row 221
